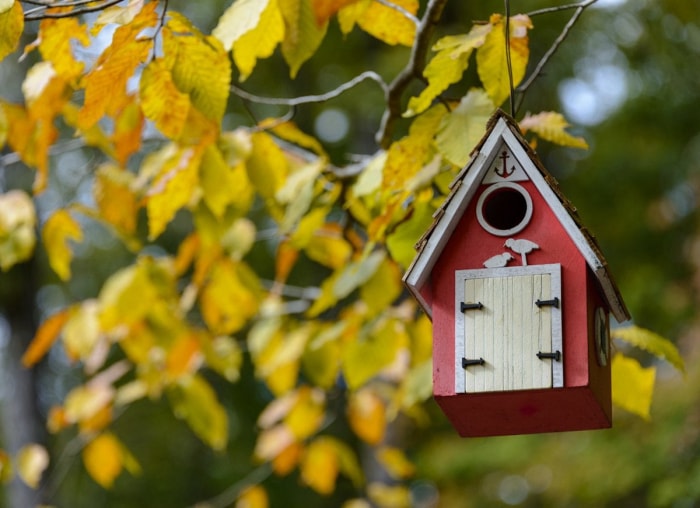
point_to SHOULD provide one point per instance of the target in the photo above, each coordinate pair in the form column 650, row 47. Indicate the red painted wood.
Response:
column 584, row 402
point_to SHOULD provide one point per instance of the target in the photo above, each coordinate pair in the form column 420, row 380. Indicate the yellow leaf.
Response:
column 289, row 131
column 492, row 58
column 126, row 298
column 319, row 466
column 253, row 497
column 219, row 182
column 57, row 231
column 447, row 66
column 328, row 247
column 389, row 25
column 103, row 459
column 161, row 101
column 395, row 462
column 367, row 416
column 303, row 35
column 260, row 41
column 267, row 166
column 84, row 402
column 56, row 40
column 17, row 228
column 389, row 496
column 116, row 201
column 172, row 188
column 632, row 385
column 462, row 129
column 119, row 15
column 408, row 155
column 552, row 126
column 199, row 64
column 307, row 413
column 418, row 384
column 230, row 298
column 382, row 288
column 32, row 461
column 345, row 280
column 366, row 357
column 403, row 238
column 81, row 333
column 106, row 83
column 31, row 138
column 224, row 355
column 651, row 342
column 11, row 27
column 45, row 336
column 241, row 17
column 321, row 359
column 194, row 400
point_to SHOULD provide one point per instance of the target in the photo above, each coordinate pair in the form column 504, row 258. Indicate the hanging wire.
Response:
column 511, row 96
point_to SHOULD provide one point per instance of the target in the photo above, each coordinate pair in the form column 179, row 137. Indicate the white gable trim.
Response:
column 465, row 187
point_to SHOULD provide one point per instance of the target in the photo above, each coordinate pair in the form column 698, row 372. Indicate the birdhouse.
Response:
column 519, row 295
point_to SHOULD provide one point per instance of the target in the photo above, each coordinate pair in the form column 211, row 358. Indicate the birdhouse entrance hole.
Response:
column 504, row 209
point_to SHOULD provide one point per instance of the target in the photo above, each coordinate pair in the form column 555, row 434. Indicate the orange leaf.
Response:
column 367, row 416
column 324, row 9
column 287, row 459
column 287, row 256
column 184, row 357
column 45, row 336
column 127, row 132
column 57, row 230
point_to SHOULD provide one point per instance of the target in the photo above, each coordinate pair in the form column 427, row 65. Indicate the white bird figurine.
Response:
column 522, row 247
column 498, row 261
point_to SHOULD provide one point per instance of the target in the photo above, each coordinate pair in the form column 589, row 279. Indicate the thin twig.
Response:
column 30, row 16
column 308, row 99
column 580, row 7
column 400, row 9
column 559, row 8
column 413, row 70
column 509, row 63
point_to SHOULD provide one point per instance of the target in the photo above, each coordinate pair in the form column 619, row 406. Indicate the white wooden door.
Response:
column 508, row 329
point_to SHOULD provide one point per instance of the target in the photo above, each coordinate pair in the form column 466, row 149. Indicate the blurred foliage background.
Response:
column 628, row 79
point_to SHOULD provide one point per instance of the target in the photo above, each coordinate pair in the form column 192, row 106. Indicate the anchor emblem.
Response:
column 504, row 172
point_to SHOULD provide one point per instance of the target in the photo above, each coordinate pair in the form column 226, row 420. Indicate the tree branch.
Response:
column 580, row 7
column 308, row 99
column 40, row 12
column 413, row 70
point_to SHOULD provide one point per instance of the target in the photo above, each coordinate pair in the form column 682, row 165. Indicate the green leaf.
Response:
column 652, row 343
column 303, row 35
column 194, row 401
column 401, row 242
column 632, row 385
column 447, row 66
column 462, row 129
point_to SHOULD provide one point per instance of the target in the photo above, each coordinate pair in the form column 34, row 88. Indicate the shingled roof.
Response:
column 463, row 189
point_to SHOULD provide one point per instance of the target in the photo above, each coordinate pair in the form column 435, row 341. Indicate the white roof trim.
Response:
column 466, row 185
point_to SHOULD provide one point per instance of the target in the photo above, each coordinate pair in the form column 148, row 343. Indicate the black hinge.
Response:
column 556, row 356
column 470, row 306
column 554, row 302
column 467, row 363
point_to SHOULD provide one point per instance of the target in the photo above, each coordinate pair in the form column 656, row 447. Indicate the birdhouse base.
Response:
column 526, row 411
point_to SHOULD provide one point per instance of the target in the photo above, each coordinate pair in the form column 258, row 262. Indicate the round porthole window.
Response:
column 504, row 209
column 602, row 336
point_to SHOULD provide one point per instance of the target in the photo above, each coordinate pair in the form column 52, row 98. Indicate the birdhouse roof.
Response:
column 463, row 189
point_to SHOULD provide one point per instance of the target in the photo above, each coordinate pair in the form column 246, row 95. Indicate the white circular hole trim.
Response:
column 495, row 188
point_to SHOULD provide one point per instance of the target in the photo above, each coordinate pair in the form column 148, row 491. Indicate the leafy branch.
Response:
column 413, row 70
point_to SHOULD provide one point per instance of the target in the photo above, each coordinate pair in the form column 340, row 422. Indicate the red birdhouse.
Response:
column 520, row 297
